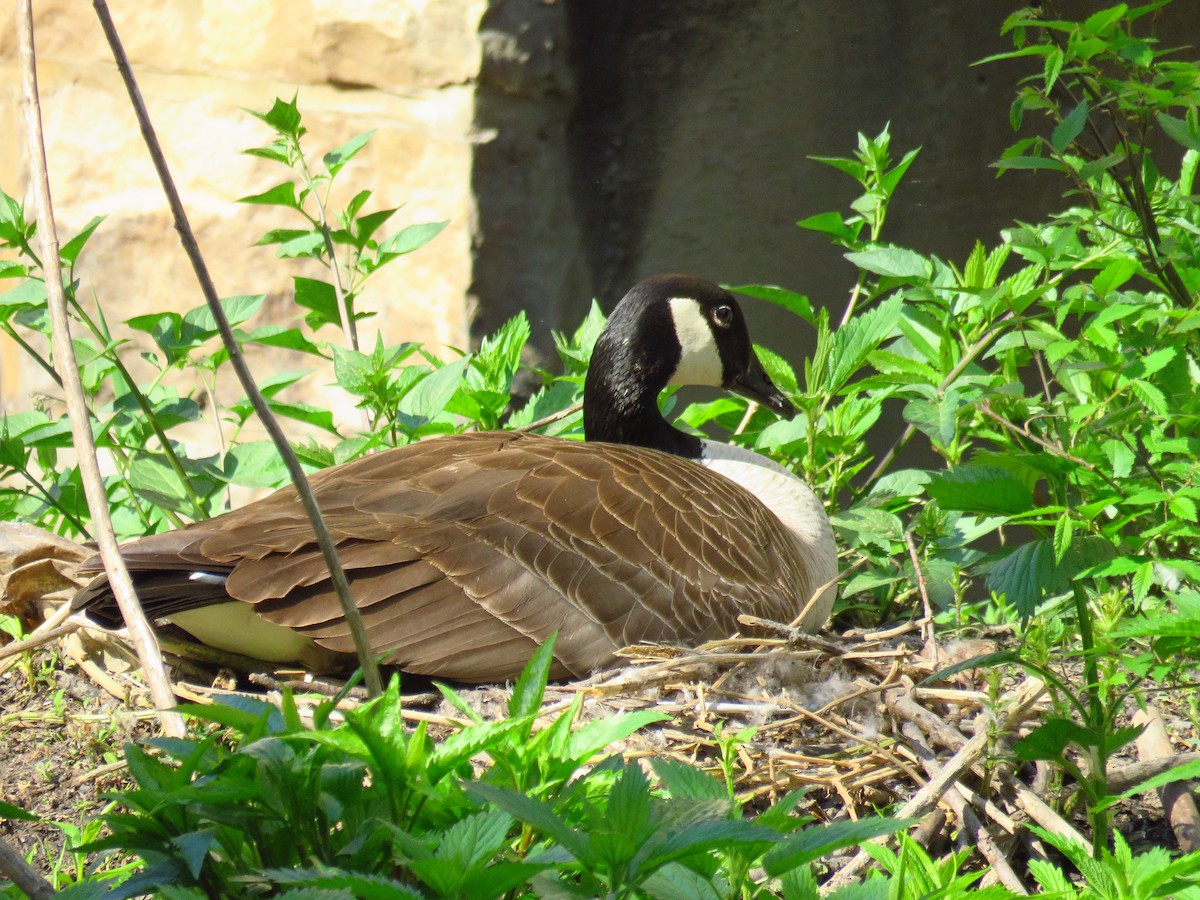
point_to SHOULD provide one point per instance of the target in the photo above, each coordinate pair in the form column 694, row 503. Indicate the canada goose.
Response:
column 466, row 551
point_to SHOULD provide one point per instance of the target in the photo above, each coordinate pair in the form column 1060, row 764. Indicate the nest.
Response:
column 854, row 719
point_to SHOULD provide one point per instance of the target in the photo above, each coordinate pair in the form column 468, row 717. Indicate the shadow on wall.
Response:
column 639, row 137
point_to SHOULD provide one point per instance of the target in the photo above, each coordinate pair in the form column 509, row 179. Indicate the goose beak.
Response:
column 754, row 384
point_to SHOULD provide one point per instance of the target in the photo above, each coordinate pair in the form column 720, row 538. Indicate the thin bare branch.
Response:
column 188, row 239
column 77, row 409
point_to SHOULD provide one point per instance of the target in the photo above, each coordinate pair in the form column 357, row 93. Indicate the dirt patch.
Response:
column 62, row 741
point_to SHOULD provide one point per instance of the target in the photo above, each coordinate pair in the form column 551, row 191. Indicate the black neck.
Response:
column 620, row 400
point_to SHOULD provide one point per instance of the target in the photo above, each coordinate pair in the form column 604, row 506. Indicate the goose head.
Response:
column 670, row 330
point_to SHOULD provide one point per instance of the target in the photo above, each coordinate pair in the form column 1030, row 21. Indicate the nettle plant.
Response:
column 1056, row 374
column 405, row 392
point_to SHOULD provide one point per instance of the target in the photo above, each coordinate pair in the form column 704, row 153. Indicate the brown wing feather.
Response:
column 466, row 551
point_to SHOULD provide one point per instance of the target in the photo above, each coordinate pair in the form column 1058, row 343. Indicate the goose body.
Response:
column 465, row 552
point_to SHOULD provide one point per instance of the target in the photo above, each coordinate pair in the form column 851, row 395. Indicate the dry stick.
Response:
column 979, row 834
column 64, row 359
column 927, row 622
column 187, row 237
column 1122, row 778
column 1177, row 801
column 1016, row 704
column 19, row 872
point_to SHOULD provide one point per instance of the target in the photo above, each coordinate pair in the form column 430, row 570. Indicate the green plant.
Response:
column 264, row 804
column 915, row 874
column 1118, row 874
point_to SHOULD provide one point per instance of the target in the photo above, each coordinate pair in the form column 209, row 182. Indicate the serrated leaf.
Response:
column 853, row 342
column 1063, row 530
column 429, row 398
column 1114, row 274
column 1070, row 127
column 686, row 781
column 817, row 841
column 980, row 489
column 778, row 369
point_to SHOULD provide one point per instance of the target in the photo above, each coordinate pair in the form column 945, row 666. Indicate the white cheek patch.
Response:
column 700, row 361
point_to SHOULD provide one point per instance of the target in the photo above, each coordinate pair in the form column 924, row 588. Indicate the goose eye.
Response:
column 723, row 316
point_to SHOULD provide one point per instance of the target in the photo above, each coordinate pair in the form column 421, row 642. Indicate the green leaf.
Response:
column 832, row 224
column 283, row 117
column 255, row 464
column 594, row 736
column 337, row 158
column 1099, row 22
column 855, row 340
column 1120, row 457
column 896, row 262
column 1063, row 530
column 1183, row 772
column 409, row 239
column 536, row 813
column 789, row 300
column 1114, row 274
column 1179, row 131
column 237, row 310
column 817, row 841
column 1070, row 127
column 429, row 398
column 307, row 244
column 70, row 250
column 278, row 336
column 1030, row 162
column 318, row 296
column 980, row 489
column 366, row 225
column 283, row 194
column 686, row 781
column 530, row 687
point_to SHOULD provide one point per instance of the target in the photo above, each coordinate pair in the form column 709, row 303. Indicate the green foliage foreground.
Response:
column 1054, row 373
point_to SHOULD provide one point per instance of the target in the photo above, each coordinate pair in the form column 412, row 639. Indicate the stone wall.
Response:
column 404, row 68
column 575, row 145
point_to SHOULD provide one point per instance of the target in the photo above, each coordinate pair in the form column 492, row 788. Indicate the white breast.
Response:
column 796, row 506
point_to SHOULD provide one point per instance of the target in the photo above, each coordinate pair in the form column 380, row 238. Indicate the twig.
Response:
column 77, row 410
column 52, row 628
column 979, row 835
column 1016, row 705
column 22, row 874
column 923, row 588
column 337, row 575
column 551, row 419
